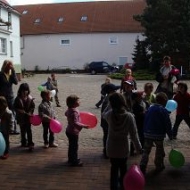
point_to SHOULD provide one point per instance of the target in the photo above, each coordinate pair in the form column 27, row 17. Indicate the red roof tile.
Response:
column 4, row 1
column 113, row 16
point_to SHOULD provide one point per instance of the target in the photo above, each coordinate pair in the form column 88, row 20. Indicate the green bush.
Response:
column 138, row 75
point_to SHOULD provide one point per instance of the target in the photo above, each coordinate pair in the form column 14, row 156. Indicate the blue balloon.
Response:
column 171, row 105
column 2, row 145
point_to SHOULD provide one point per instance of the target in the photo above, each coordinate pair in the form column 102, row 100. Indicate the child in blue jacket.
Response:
column 156, row 125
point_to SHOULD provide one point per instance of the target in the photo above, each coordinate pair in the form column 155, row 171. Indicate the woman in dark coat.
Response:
column 7, row 79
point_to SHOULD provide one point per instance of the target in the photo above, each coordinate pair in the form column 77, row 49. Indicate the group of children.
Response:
column 141, row 115
column 24, row 107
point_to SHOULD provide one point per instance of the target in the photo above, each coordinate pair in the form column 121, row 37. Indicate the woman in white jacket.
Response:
column 121, row 125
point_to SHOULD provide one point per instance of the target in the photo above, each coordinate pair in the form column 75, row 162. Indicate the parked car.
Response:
column 101, row 67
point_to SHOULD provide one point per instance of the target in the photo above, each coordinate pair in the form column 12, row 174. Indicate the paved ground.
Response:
column 46, row 168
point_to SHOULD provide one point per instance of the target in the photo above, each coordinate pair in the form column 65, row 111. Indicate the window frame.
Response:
column 3, row 46
column 65, row 44
column 113, row 40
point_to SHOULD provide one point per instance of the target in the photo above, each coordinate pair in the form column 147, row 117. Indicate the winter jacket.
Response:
column 27, row 106
column 45, row 110
column 157, row 123
column 120, row 126
column 6, row 89
column 73, row 117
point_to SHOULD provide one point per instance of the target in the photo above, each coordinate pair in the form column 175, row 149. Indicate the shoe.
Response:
column 58, row 105
column 97, row 106
column 69, row 162
column 46, row 145
column 5, row 156
column 159, row 169
column 53, row 145
column 14, row 132
column 31, row 147
column 23, row 145
column 77, row 164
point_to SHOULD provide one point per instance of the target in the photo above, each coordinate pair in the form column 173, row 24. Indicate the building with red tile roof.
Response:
column 72, row 34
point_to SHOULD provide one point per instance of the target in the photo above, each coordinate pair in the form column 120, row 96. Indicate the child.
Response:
column 121, row 124
column 183, row 100
column 107, row 81
column 48, row 84
column 6, row 124
column 139, row 109
column 108, row 89
column 128, row 76
column 73, row 129
column 149, row 97
column 24, row 107
column 157, row 124
column 55, row 87
column 128, row 86
column 46, row 112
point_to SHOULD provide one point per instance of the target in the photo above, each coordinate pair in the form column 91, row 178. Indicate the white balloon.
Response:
column 53, row 92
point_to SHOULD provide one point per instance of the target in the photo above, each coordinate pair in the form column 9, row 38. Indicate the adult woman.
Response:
column 7, row 79
column 167, row 77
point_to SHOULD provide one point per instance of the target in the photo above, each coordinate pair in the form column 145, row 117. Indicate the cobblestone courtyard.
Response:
column 46, row 168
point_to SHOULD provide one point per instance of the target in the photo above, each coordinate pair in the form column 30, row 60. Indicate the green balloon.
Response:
column 176, row 158
column 40, row 88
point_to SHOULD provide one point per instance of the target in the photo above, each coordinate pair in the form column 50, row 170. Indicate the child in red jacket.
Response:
column 182, row 98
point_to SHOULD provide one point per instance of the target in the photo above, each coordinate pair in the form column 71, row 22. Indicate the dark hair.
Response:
column 161, row 98
column 117, row 101
column 44, row 93
column 184, row 85
column 71, row 100
column 23, row 87
column 167, row 58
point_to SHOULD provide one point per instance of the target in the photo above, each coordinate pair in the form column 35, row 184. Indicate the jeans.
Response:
column 73, row 148
column 105, row 136
column 46, row 130
column 178, row 120
column 118, row 170
column 25, row 129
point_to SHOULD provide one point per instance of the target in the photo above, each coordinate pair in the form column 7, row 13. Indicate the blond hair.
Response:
column 5, row 64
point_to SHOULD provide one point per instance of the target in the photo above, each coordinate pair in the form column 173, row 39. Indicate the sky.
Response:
column 24, row 2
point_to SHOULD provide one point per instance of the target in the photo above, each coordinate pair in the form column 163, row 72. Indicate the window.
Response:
column 37, row 21
column 60, row 19
column 11, row 48
column 24, row 12
column 65, row 42
column 3, row 46
column 113, row 40
column 83, row 19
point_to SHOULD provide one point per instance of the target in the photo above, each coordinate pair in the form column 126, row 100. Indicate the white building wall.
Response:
column 11, row 35
column 46, row 51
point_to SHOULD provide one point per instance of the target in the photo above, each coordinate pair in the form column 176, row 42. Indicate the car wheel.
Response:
column 93, row 72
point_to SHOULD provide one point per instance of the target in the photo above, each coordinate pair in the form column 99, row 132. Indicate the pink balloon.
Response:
column 35, row 120
column 175, row 71
column 134, row 179
column 88, row 118
column 55, row 126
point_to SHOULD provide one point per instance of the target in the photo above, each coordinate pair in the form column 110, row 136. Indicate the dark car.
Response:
column 101, row 67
